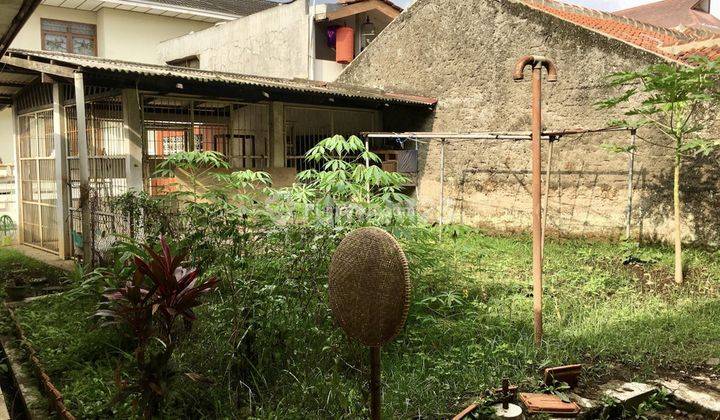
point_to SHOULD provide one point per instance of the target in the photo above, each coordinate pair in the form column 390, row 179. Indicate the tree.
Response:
column 680, row 102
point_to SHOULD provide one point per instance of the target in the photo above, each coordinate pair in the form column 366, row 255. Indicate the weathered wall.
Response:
column 273, row 42
column 463, row 53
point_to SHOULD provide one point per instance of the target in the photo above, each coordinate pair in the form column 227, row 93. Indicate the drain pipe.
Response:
column 311, row 40
column 537, row 64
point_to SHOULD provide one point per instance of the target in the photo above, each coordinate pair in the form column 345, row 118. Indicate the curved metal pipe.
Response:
column 535, row 60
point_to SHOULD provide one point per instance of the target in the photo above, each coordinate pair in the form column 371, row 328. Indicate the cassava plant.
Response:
column 194, row 165
column 156, row 307
column 681, row 102
column 349, row 176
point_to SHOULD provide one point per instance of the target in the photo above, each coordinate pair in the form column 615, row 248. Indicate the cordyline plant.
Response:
column 157, row 307
column 681, row 102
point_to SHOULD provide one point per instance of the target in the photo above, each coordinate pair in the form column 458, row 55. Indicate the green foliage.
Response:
column 677, row 100
column 148, row 305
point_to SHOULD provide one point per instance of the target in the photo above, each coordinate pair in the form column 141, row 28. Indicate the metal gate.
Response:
column 38, row 190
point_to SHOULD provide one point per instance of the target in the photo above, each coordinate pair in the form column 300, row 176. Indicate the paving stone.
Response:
column 629, row 394
column 590, row 408
column 704, row 400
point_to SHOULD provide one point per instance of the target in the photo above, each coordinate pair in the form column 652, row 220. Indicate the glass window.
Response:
column 70, row 37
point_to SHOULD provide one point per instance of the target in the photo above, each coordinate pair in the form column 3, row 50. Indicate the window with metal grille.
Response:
column 69, row 37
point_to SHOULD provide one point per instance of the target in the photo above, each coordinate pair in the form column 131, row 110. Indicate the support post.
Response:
column 132, row 131
column 18, row 174
column 277, row 134
column 536, row 200
column 546, row 206
column 62, row 198
column 631, row 175
column 84, row 163
column 375, row 389
column 442, row 186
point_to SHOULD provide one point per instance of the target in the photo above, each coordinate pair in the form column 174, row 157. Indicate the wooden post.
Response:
column 84, row 163
column 631, row 175
column 62, row 199
column 277, row 134
column 375, row 387
column 133, row 136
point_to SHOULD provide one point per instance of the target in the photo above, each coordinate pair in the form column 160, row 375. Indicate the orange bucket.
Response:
column 345, row 45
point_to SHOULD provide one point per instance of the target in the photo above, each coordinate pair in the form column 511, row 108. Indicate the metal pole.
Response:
column 537, row 200
column 631, row 175
column 547, row 194
column 375, row 391
column 442, row 185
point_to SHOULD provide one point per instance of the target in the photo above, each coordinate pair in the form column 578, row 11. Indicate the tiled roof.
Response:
column 388, row 2
column 232, row 7
column 673, row 14
column 659, row 40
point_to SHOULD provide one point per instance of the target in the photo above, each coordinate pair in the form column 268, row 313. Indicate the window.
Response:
column 192, row 62
column 70, row 37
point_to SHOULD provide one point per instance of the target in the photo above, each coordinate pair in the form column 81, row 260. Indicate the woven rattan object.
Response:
column 370, row 286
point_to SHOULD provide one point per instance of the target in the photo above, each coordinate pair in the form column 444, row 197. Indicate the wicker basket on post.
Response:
column 370, row 295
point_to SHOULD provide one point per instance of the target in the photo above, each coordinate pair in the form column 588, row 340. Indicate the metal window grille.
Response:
column 38, row 191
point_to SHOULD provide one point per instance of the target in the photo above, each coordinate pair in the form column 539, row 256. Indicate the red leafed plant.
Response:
column 151, row 304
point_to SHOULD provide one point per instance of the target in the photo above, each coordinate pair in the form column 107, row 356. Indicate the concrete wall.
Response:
column 463, row 53
column 7, row 143
column 273, row 42
column 121, row 34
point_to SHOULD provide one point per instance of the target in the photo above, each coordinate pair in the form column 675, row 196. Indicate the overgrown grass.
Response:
column 470, row 324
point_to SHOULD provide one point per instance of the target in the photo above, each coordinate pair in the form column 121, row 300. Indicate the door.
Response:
column 38, row 190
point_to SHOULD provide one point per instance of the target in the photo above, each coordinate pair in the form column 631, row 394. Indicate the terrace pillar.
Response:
column 277, row 134
column 132, row 132
column 62, row 198
column 84, row 163
column 18, row 174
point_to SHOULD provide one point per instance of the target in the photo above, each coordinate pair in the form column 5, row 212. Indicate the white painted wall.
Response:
column 121, row 34
column 273, row 43
column 29, row 36
column 7, row 143
column 133, row 36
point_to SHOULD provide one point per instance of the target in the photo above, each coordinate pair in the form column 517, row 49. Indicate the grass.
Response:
column 611, row 306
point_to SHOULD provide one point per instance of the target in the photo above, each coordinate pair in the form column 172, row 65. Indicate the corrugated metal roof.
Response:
column 293, row 85
column 234, row 7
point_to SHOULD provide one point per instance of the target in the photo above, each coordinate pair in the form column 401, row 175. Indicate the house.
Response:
column 90, row 128
column 299, row 39
column 463, row 53
column 675, row 14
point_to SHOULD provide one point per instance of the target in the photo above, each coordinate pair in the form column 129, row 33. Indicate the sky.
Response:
column 607, row 5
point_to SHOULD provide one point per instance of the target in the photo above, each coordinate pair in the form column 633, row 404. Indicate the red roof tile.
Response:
column 649, row 37
column 673, row 14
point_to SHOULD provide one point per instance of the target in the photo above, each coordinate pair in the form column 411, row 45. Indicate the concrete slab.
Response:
column 46, row 257
column 704, row 400
column 629, row 394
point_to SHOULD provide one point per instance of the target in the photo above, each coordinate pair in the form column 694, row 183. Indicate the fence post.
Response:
column 631, row 174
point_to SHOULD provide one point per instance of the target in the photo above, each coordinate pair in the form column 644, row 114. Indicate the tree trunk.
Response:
column 678, row 222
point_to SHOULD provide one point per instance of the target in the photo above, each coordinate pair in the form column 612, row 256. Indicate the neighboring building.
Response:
column 286, row 41
column 463, row 55
column 675, row 14
column 119, row 29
